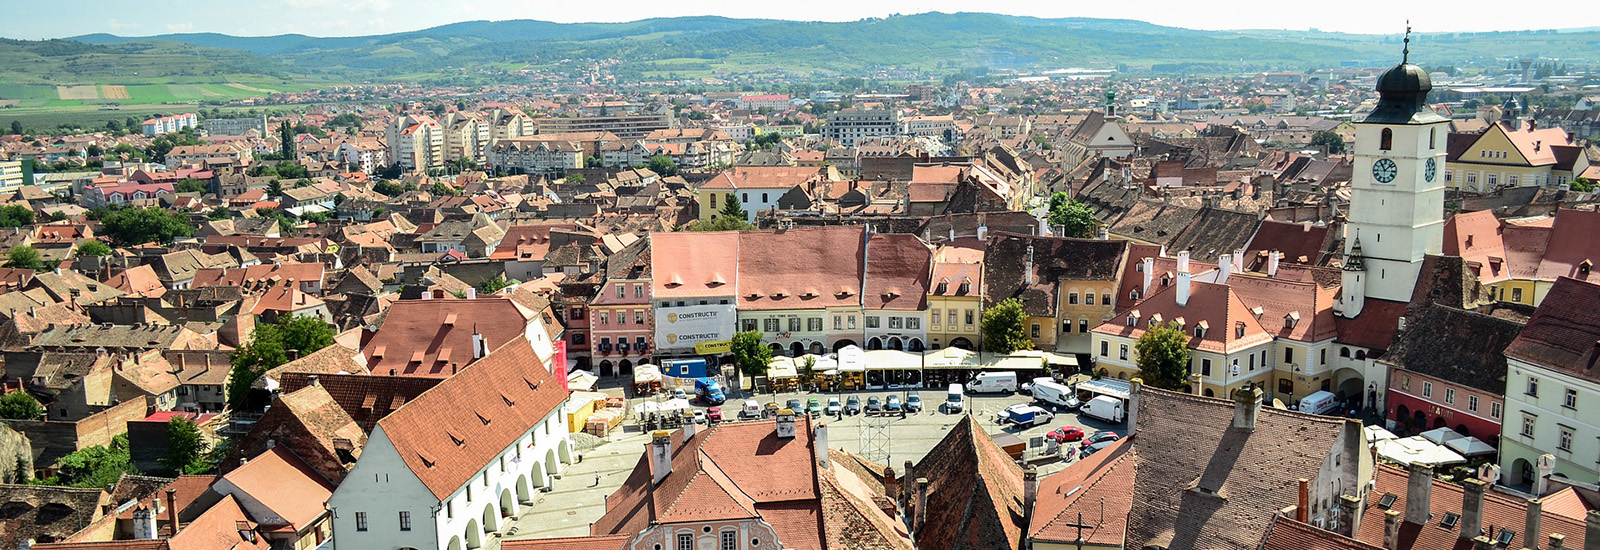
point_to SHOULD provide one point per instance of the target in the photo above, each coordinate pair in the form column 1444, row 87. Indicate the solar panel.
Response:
column 1387, row 500
column 1505, row 536
column 1450, row 520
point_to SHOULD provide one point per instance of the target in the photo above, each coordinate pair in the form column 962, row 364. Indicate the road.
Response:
column 578, row 498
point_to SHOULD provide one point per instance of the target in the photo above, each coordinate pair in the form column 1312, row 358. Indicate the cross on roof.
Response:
column 1405, row 53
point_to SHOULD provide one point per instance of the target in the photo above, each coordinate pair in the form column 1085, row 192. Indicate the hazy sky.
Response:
column 34, row 19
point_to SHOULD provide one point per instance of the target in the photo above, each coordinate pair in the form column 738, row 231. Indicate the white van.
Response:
column 750, row 411
column 1105, row 407
column 1054, row 393
column 994, row 382
column 1321, row 402
column 954, row 402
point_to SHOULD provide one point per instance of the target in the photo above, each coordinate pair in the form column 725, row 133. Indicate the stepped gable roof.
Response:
column 1457, row 346
column 974, row 492
column 446, row 434
column 1564, row 332
column 1194, row 469
column 1099, row 487
column 897, row 272
column 1500, row 511
column 801, row 268
column 694, row 264
column 427, row 337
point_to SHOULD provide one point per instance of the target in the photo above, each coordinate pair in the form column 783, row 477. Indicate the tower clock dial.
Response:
column 1384, row 170
column 1429, row 169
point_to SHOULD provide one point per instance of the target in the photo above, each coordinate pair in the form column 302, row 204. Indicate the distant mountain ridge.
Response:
column 938, row 42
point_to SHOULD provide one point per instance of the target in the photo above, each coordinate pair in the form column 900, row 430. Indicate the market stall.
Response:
column 852, row 365
column 646, row 379
column 951, row 365
column 893, row 369
column 783, row 375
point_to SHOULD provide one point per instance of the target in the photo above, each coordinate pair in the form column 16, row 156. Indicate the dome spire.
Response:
column 1405, row 52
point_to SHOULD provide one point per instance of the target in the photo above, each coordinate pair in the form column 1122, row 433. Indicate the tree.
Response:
column 269, row 348
column 731, row 208
column 575, row 178
column 16, row 215
column 1582, row 185
column 25, row 257
column 16, row 127
column 1075, row 219
column 133, row 226
column 441, row 189
column 191, row 185
column 95, row 467
column 388, row 188
column 286, row 141
column 1328, row 139
column 1164, row 356
column 722, row 223
column 186, row 449
column 663, row 165
column 18, row 405
column 94, row 248
column 750, row 354
column 498, row 283
column 1004, row 327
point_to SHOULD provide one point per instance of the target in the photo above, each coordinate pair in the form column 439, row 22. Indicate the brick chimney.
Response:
column 1195, row 381
column 1272, row 263
column 922, row 503
column 1557, row 541
column 1472, row 507
column 1132, row 414
column 1482, row 543
column 1302, row 509
column 1591, row 531
column 1030, row 491
column 690, row 427
column 891, row 484
column 1246, row 408
column 1419, row 492
column 172, row 511
column 661, row 454
column 1350, row 513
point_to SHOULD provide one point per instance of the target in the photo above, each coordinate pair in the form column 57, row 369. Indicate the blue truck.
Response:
column 709, row 391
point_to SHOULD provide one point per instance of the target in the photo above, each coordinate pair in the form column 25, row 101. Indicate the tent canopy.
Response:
column 646, row 373
column 782, row 367
column 851, row 359
column 1416, row 449
column 1441, row 435
column 1469, row 446
column 888, row 359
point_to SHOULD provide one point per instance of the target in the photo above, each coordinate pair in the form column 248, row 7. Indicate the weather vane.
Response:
column 1405, row 53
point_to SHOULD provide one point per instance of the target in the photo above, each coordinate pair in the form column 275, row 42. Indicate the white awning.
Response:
column 1417, row 450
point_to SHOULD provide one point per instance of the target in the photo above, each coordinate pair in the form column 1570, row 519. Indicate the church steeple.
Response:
column 1403, row 92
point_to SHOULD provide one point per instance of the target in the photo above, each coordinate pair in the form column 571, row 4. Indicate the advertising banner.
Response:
column 682, row 328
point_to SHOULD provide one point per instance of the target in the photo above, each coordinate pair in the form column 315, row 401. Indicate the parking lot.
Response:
column 578, row 497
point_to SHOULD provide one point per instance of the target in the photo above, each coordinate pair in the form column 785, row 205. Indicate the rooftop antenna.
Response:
column 1405, row 53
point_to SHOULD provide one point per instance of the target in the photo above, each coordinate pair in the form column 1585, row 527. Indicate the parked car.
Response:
column 699, row 416
column 913, row 403
column 874, row 405
column 852, row 405
column 678, row 393
column 892, row 404
column 714, row 414
column 1065, row 434
column 794, row 405
column 833, row 407
column 1089, row 449
column 993, row 382
column 813, row 407
column 751, row 410
column 1101, row 436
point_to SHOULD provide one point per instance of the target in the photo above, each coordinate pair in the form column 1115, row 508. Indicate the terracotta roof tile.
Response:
column 803, row 268
column 1499, row 510
column 1287, row 534
column 1564, row 332
column 415, row 327
column 284, row 484
column 974, row 492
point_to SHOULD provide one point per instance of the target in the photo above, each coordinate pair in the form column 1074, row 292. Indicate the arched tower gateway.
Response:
column 1397, row 191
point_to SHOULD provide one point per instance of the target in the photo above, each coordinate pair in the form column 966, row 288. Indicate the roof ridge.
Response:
column 1125, row 451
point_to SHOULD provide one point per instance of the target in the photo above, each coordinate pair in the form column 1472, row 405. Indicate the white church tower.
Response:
column 1397, row 191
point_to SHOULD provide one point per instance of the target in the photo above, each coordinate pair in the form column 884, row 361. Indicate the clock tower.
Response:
column 1397, row 191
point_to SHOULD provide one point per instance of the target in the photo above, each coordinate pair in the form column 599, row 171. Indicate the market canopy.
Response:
column 1377, row 433
column 1417, row 450
column 646, row 373
column 664, row 406
column 1441, row 435
column 1048, row 357
column 1469, row 446
column 581, row 380
column 950, row 358
column 851, row 359
column 782, row 367
column 889, row 359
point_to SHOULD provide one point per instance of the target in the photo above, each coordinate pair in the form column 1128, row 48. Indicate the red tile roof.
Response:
column 1279, row 299
column 1564, row 332
column 694, row 264
column 219, row 529
column 898, row 271
column 427, row 337
column 1097, row 489
column 449, row 432
column 261, row 274
column 763, row 177
column 803, row 268
column 1476, row 238
column 605, row 542
column 1218, row 306
column 1287, row 534
column 974, row 492
column 284, row 484
column 1294, row 240
column 1375, row 327
column 1500, row 510
column 1572, row 242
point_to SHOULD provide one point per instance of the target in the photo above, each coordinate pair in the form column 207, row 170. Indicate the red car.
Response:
column 714, row 414
column 1065, row 434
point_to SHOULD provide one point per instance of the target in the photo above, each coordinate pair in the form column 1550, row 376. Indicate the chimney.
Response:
column 472, row 293
column 1391, row 530
column 1224, row 268
column 983, row 232
column 1183, row 261
column 1246, row 407
column 1472, row 507
column 1238, row 260
column 1419, row 489
column 1103, row 233
column 1482, row 543
column 172, row 512
column 1557, row 541
column 1530, row 529
column 661, row 454
column 1591, row 531
column 1195, row 381
column 1547, row 464
column 1149, row 269
column 689, row 425
column 1132, row 414
column 907, row 490
column 786, row 424
column 891, row 484
column 479, row 349
column 1183, row 288
column 922, row 504
column 1030, row 491
column 1027, row 266
column 144, row 523
column 819, row 440
column 1272, row 263
column 1350, row 512
column 1302, row 510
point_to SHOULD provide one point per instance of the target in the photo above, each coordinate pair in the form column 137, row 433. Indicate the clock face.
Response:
column 1429, row 169
column 1384, row 170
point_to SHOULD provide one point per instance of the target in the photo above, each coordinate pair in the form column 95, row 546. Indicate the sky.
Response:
column 63, row 18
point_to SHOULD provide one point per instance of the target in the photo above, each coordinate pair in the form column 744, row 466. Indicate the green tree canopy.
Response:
column 721, row 223
column 25, row 257
column 498, row 283
column 663, row 165
column 750, row 353
column 95, row 467
column 15, row 215
column 442, row 189
column 94, row 248
column 575, row 178
column 186, row 449
column 132, row 226
column 1075, row 219
column 269, row 347
column 1004, row 327
column 1329, row 139
column 191, row 185
column 389, row 188
column 731, row 208
column 19, row 405
column 1164, row 357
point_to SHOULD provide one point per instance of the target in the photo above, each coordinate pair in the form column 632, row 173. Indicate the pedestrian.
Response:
column 596, row 480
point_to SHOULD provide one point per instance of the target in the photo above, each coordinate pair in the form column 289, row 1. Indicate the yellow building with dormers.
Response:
column 955, row 295
column 1512, row 154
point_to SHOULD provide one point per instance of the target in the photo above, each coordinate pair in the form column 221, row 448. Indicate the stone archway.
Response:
column 1209, row 392
column 564, row 449
column 455, row 544
column 625, row 367
column 551, row 462
column 915, row 345
column 961, row 343
column 1439, row 422
column 605, row 368
column 540, row 475
column 842, row 343
column 524, row 493
column 474, row 534
column 896, row 344
column 1462, row 429
column 1524, row 472
column 491, row 520
column 818, row 349
column 874, row 343
column 1402, row 415
column 797, row 349
column 508, row 504
column 1419, row 420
